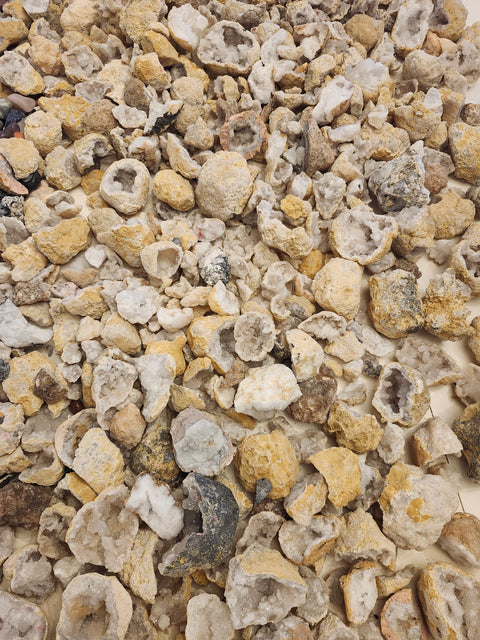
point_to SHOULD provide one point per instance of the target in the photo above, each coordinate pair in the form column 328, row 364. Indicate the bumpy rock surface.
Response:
column 262, row 587
column 415, row 506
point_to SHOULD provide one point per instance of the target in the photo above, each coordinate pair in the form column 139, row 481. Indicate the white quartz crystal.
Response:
column 155, row 505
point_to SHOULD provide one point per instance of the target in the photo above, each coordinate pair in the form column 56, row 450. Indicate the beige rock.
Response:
column 365, row 30
column 87, row 302
column 393, row 581
column 464, row 258
column 125, row 185
column 270, row 456
column 296, row 243
column 361, row 538
column 103, row 530
column 306, row 498
column 358, row 432
column 341, row 469
column 63, row 241
column 148, row 68
column 77, row 487
column 211, row 336
column 21, row 155
column 60, row 169
column 451, row 20
column 258, row 570
column 29, row 573
column 21, row 381
column 138, row 572
column 387, row 142
column 464, row 144
column 11, row 32
column 451, row 215
column 171, row 347
column 53, row 525
column 127, row 426
column 460, row 538
column 45, row 55
column 128, row 240
column 346, row 347
column 444, row 307
column 98, row 461
column 449, row 598
column 415, row 506
column 174, row 189
column 119, row 333
column 70, row 110
column 137, row 16
column 92, row 601
column 474, row 340
column 166, row 52
column 359, row 591
column 336, row 287
column 19, row 614
column 112, row 382
column 18, row 73
column 14, row 462
column 433, row 440
column 156, row 372
column 224, row 185
column 161, row 259
column 27, row 261
column 306, row 354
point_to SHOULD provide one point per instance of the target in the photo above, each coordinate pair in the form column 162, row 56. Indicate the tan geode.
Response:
column 270, row 456
column 341, row 469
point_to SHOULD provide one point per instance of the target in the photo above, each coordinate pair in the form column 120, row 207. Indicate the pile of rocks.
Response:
column 213, row 409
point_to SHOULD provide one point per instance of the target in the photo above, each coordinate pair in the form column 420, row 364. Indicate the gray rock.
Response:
column 399, row 183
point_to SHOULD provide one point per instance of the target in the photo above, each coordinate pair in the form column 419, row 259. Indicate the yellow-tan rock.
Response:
column 271, row 456
column 21, row 381
column 452, row 214
column 127, row 426
column 63, row 241
column 98, row 461
column 21, row 155
column 172, row 188
column 341, row 469
column 355, row 431
column 26, row 259
column 465, row 149
column 336, row 287
column 119, row 333
column 172, row 347
column 70, row 110
column 128, row 241
column 87, row 302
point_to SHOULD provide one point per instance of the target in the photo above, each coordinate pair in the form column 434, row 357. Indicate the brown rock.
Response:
column 317, row 397
column 470, row 114
column 364, row 29
column 467, row 429
column 444, row 307
column 21, row 505
column 449, row 19
column 318, row 153
column 47, row 388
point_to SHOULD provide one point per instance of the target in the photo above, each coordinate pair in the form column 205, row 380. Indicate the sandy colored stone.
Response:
column 128, row 241
column 21, row 381
column 401, row 617
column 336, row 287
column 341, row 469
column 451, row 215
column 138, row 572
column 357, row 432
column 208, row 337
column 18, row 73
column 266, row 390
column 11, row 32
column 364, row 29
column 45, row 55
column 224, row 185
column 451, row 21
column 306, row 498
column 63, row 241
column 415, row 506
column 137, row 16
column 174, row 189
column 402, row 395
column 270, row 456
column 82, row 491
column 21, row 155
column 149, row 70
column 91, row 181
column 98, row 461
column 121, row 334
column 464, row 146
column 444, row 307
column 386, row 143
column 70, row 110
column 87, row 302
column 450, row 601
column 259, row 566
column 157, row 42
column 127, row 426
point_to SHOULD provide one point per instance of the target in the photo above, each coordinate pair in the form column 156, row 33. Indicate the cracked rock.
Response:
column 262, row 587
column 125, row 185
column 94, row 605
column 415, row 506
column 103, row 531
